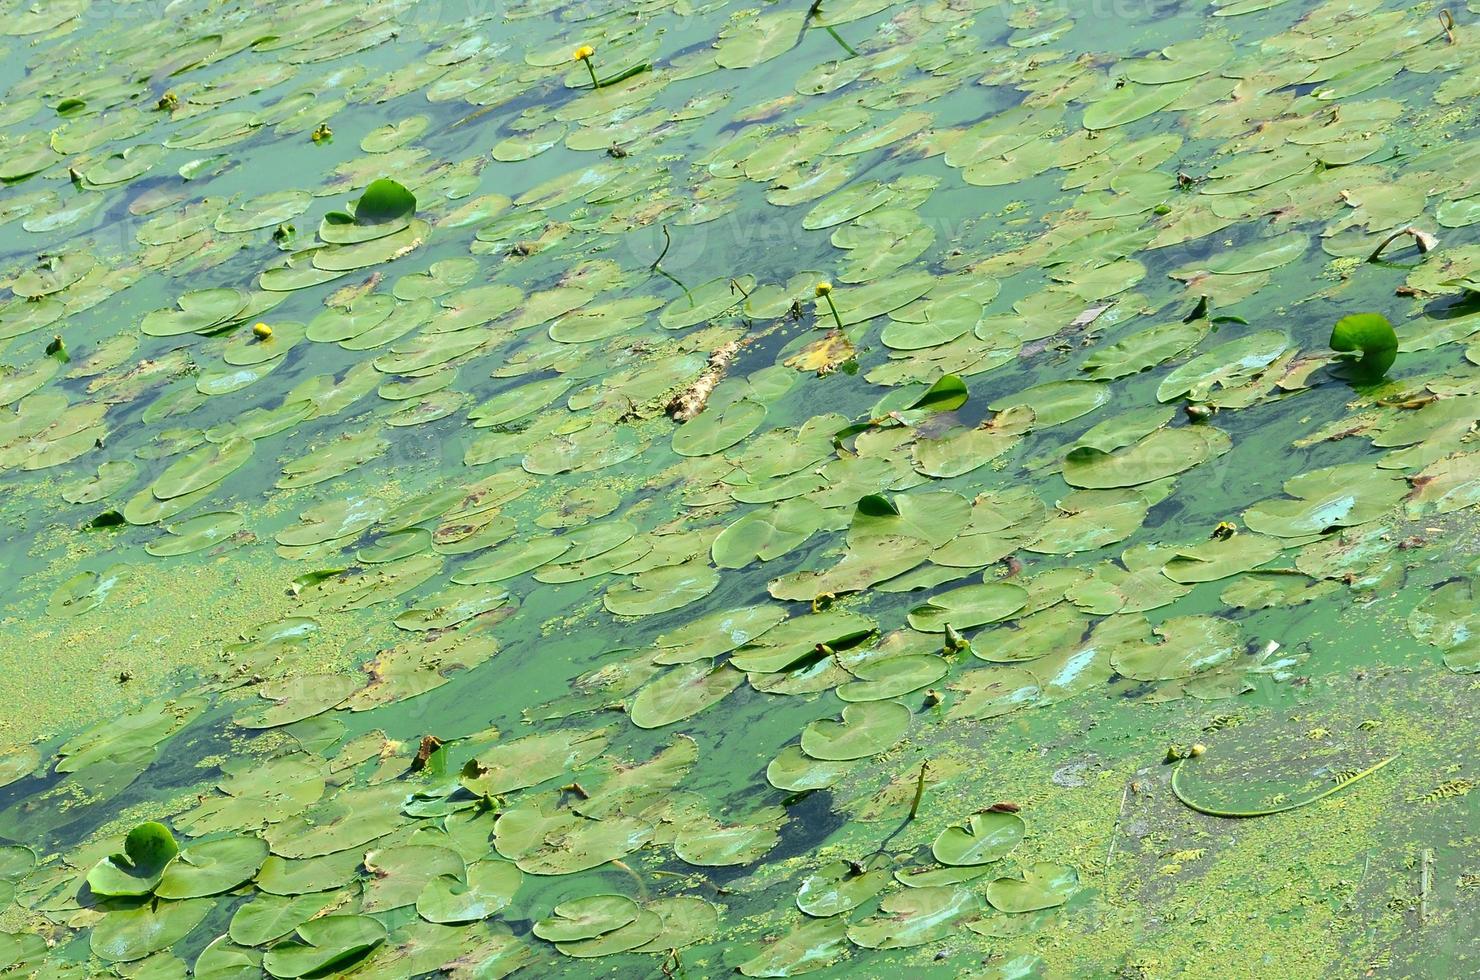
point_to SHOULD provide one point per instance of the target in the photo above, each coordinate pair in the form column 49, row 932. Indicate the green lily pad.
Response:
column 488, row 889
column 981, row 839
column 126, row 935
column 968, row 606
column 269, row 917
column 324, row 944
column 1043, row 886
column 810, row 945
column 682, row 693
column 914, row 917
column 212, row 867
column 586, row 918
column 1447, row 619
column 841, row 886
column 866, row 729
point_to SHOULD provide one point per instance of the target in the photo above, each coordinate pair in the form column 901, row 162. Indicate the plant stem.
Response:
column 919, row 791
column 665, row 274
column 1446, row 21
column 641, row 887
column 846, row 46
column 1115, row 830
column 836, row 319
column 667, row 244
column 1283, row 808
column 594, row 83
column 1410, row 231
column 1426, row 862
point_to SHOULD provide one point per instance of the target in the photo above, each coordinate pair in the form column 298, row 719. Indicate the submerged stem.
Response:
column 846, row 46
column 666, row 275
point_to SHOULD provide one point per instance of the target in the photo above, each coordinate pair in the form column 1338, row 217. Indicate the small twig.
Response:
column 1426, row 861
column 919, row 791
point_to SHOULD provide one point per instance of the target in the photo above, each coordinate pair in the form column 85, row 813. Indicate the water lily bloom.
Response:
column 824, row 291
column 583, row 55
column 261, row 331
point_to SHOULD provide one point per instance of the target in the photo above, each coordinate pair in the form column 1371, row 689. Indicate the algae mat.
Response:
column 673, row 489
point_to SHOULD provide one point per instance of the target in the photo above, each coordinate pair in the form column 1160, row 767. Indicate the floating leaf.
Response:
column 982, row 839
column 324, row 944
column 148, row 851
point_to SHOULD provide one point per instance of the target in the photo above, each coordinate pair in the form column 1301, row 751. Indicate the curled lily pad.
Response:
column 148, row 851
column 1370, row 334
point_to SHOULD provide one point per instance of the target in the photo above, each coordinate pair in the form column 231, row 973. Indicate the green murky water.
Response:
column 948, row 489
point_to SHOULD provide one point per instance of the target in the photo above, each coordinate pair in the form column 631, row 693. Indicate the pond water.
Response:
column 945, row 489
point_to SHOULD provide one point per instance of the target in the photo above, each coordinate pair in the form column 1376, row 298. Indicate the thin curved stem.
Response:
column 1283, row 808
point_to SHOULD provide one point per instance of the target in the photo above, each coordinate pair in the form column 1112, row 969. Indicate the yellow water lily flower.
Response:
column 824, row 292
column 583, row 55
column 261, row 331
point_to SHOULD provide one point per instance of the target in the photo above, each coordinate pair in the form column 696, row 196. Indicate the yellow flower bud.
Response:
column 584, row 52
column 823, row 288
column 261, row 331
